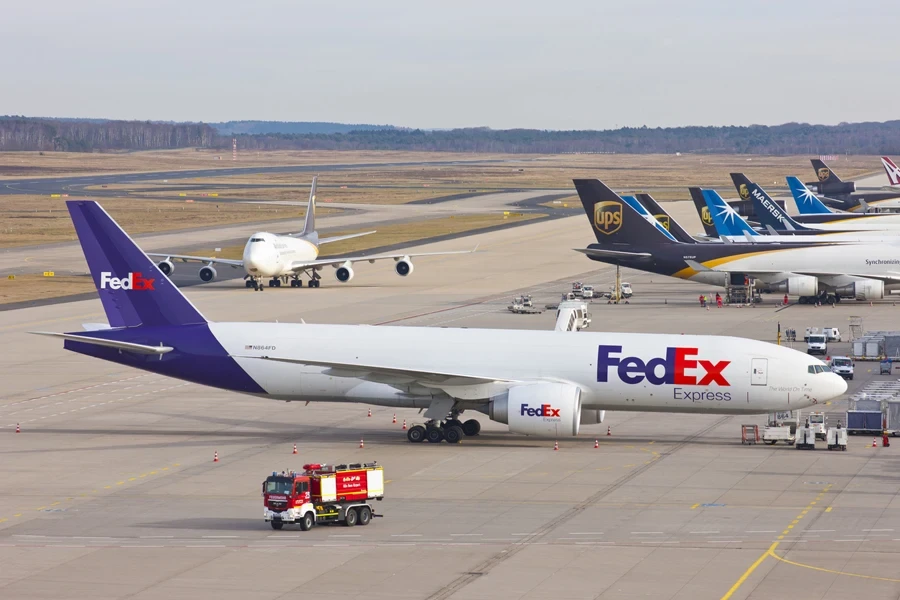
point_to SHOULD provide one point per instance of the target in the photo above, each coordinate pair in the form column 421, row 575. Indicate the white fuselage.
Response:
column 270, row 255
column 619, row 371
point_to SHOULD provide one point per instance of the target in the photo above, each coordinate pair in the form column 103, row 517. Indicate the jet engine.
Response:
column 207, row 274
column 344, row 273
column 591, row 416
column 404, row 266
column 166, row 267
column 542, row 409
column 797, row 285
column 866, row 289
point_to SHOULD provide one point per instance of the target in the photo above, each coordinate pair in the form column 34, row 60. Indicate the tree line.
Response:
column 20, row 133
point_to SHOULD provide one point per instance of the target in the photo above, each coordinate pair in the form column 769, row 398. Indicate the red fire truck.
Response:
column 323, row 494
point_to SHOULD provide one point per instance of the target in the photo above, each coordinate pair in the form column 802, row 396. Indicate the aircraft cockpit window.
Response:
column 817, row 369
column 256, row 240
column 811, row 369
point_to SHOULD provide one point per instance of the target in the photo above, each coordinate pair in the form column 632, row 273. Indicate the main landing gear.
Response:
column 452, row 431
column 276, row 282
column 823, row 298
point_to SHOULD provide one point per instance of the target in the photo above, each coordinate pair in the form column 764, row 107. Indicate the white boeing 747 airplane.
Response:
column 544, row 383
column 284, row 258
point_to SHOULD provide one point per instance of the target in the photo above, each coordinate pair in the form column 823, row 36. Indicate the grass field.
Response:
column 33, row 220
column 32, row 287
column 55, row 164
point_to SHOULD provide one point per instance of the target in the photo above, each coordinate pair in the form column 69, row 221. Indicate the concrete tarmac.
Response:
column 110, row 491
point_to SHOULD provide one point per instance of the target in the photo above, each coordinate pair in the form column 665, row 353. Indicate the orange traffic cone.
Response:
column 874, row 444
column 394, row 420
column 555, row 446
column 596, row 443
column 370, row 412
column 295, row 449
column 216, row 456
column 17, row 428
column 608, row 430
column 361, row 444
column 404, row 424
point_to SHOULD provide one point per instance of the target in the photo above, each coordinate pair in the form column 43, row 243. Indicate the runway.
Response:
column 110, row 490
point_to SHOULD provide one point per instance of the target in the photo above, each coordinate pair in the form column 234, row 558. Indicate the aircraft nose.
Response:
column 834, row 387
column 258, row 260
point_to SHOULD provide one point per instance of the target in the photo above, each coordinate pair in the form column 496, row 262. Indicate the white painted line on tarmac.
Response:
column 577, row 533
column 465, row 534
column 704, row 532
column 646, row 533
column 406, row 535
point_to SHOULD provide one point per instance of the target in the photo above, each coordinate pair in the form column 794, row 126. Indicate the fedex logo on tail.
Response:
column 678, row 367
column 133, row 281
column 544, row 410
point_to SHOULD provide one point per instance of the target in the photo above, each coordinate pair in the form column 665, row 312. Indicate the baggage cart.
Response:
column 836, row 438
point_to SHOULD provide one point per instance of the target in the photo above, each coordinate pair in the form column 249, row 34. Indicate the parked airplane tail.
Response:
column 309, row 226
column 823, row 173
column 727, row 221
column 612, row 219
column 709, row 225
column 641, row 210
column 131, row 287
column 767, row 210
column 665, row 219
column 892, row 170
column 806, row 200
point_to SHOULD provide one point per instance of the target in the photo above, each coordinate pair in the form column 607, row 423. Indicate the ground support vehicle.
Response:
column 836, row 438
column 323, row 494
column 842, row 365
column 806, row 438
column 587, row 292
column 817, row 344
column 773, row 434
column 816, row 421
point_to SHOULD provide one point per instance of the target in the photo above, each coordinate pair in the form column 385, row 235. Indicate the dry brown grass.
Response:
column 33, row 287
column 399, row 233
column 32, row 220
column 55, row 164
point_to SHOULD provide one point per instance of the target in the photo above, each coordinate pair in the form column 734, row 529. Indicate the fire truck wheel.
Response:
column 471, row 427
column 307, row 522
column 351, row 518
column 416, row 433
column 277, row 524
column 453, row 434
column 365, row 515
column 434, row 435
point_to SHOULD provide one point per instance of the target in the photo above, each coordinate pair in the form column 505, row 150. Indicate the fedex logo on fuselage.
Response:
column 133, row 281
column 544, row 410
column 678, row 367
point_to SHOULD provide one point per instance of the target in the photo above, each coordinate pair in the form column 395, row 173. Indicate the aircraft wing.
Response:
column 597, row 252
column 341, row 238
column 340, row 260
column 205, row 259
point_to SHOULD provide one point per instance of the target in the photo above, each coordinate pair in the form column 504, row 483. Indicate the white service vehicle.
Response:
column 572, row 315
column 836, row 438
column 817, row 424
column 842, row 365
column 587, row 292
column 817, row 344
column 833, row 334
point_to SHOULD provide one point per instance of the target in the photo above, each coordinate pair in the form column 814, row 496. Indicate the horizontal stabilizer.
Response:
column 126, row 346
column 612, row 253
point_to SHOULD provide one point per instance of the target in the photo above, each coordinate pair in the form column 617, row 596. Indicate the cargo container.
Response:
column 864, row 422
column 892, row 417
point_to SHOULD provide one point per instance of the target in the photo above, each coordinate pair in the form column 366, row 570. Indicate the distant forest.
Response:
column 21, row 133
column 291, row 127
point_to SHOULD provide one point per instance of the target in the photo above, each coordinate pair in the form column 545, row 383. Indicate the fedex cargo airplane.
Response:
column 544, row 383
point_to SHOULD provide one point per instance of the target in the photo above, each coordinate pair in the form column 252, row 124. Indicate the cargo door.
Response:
column 759, row 369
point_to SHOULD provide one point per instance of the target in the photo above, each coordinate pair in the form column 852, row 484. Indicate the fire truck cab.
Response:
column 323, row 494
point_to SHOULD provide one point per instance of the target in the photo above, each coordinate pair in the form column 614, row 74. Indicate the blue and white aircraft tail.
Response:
column 767, row 210
column 806, row 200
column 639, row 208
column 728, row 223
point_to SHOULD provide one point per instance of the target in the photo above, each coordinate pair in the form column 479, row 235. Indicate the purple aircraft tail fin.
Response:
column 133, row 290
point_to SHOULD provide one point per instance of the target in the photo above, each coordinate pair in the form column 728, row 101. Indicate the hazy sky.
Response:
column 554, row 64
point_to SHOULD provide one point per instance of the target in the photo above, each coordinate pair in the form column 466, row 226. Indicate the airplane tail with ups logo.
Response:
column 823, row 173
column 613, row 221
column 709, row 225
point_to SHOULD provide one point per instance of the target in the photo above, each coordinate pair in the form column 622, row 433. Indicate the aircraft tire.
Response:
column 434, row 435
column 453, row 434
column 416, row 434
column 471, row 427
